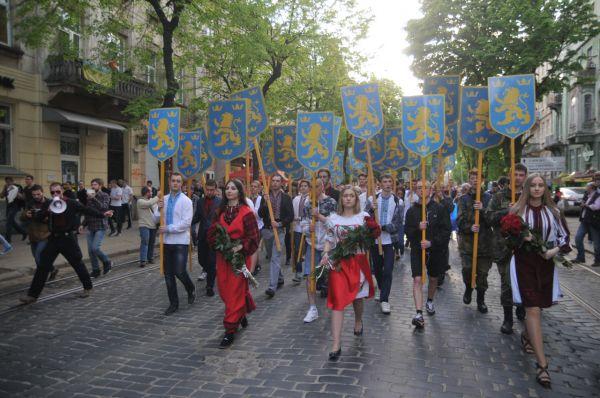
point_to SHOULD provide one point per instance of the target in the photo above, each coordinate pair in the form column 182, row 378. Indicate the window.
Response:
column 587, row 108
column 69, row 153
column 5, row 28
column 180, row 80
column 5, row 135
column 151, row 69
column 69, row 36
column 573, row 112
column 116, row 50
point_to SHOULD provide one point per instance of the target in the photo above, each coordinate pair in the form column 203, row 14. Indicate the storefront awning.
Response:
column 58, row 115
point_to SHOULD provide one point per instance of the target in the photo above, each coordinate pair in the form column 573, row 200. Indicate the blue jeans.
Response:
column 275, row 274
column 383, row 267
column 36, row 251
column 94, row 240
column 595, row 233
column 5, row 244
column 579, row 236
column 318, row 256
column 147, row 239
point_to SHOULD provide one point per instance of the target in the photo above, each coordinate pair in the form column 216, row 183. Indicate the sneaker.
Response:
column 429, row 307
column 7, row 250
column 107, row 267
column 202, row 276
column 270, row 293
column 86, row 293
column 210, row 292
column 418, row 321
column 297, row 277
column 385, row 307
column 150, row 261
column 227, row 340
column 117, row 234
column 142, row 264
column 53, row 274
column 95, row 273
column 311, row 315
column 172, row 309
column 280, row 283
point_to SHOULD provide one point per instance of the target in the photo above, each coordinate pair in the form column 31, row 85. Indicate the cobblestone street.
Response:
column 118, row 343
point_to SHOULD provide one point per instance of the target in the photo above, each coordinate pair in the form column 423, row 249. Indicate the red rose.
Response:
column 373, row 227
column 511, row 224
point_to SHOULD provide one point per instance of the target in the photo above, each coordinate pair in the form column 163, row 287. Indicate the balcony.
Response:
column 74, row 75
column 533, row 148
column 555, row 102
column 552, row 142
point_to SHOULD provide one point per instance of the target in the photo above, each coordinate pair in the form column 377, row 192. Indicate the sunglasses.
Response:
column 53, row 192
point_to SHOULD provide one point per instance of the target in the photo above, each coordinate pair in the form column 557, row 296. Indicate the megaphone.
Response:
column 58, row 205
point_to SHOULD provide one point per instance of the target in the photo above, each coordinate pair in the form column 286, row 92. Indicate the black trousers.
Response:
column 207, row 259
column 383, row 267
column 67, row 246
column 11, row 223
column 117, row 219
column 126, row 214
column 175, row 263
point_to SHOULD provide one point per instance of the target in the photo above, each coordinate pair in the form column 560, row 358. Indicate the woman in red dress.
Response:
column 239, row 221
column 353, row 282
column 533, row 276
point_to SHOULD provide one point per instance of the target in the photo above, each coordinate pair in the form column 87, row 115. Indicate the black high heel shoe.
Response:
column 244, row 323
column 335, row 355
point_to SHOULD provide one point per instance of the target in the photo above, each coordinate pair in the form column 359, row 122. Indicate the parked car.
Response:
column 571, row 199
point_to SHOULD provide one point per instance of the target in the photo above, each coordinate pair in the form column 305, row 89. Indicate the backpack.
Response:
column 592, row 217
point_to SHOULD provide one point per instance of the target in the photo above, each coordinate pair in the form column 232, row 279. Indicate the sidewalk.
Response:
column 19, row 262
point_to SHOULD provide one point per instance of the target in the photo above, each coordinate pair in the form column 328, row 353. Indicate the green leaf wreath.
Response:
column 224, row 244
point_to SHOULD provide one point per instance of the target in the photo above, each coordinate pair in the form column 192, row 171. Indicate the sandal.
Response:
column 543, row 377
column 526, row 344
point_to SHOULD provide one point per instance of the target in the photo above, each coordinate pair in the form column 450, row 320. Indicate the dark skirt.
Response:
column 535, row 277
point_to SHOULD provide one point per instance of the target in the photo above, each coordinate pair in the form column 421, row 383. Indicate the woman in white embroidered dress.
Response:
column 533, row 276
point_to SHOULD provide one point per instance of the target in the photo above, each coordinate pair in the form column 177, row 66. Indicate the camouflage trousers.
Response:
column 505, row 289
column 483, row 268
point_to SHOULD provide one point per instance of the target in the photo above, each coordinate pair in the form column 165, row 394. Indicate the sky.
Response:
column 386, row 42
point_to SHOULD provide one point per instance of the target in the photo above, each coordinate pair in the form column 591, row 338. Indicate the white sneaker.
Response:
column 429, row 307
column 311, row 315
column 202, row 276
column 385, row 307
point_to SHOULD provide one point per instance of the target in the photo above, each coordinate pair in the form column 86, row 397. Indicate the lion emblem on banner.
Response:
column 419, row 125
column 481, row 116
column 312, row 142
column 161, row 135
column 361, row 112
column 187, row 156
column 513, row 107
column 286, row 148
column 226, row 130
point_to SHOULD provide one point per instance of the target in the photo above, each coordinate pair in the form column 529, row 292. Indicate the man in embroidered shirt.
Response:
column 179, row 211
column 390, row 217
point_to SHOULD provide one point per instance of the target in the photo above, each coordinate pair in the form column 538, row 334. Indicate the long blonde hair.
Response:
column 356, row 192
column 523, row 201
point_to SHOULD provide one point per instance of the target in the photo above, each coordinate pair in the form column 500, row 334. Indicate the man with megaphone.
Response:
column 62, row 216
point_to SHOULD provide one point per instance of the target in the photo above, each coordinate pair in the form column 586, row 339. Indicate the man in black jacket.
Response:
column 437, row 234
column 283, row 213
column 205, row 216
column 62, row 240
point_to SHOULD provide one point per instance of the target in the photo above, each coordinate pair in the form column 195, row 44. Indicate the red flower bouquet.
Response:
column 515, row 230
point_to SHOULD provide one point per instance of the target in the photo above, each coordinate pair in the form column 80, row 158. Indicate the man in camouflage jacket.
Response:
column 466, row 229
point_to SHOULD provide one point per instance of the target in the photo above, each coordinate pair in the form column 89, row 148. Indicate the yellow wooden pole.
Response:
column 162, row 218
column 291, row 231
column 476, row 234
column 423, row 217
column 301, row 247
column 264, row 178
column 227, row 171
column 191, row 246
column 248, row 181
column 313, row 199
column 372, row 193
column 513, row 194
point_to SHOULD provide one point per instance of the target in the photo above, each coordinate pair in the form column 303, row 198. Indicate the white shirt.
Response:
column 297, row 215
column 362, row 198
column 11, row 193
column 255, row 207
column 127, row 194
column 385, row 237
column 178, row 233
column 116, row 192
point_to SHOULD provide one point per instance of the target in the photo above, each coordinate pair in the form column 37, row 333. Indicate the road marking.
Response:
column 581, row 301
column 588, row 269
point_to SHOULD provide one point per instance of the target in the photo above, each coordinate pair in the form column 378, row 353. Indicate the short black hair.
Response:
column 145, row 190
column 326, row 171
column 29, row 176
column 521, row 167
column 36, row 187
column 210, row 183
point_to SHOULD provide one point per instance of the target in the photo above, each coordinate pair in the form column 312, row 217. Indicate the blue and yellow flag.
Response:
column 354, row 166
column 163, row 133
column 267, row 151
column 189, row 155
column 362, row 110
column 475, row 130
column 377, row 146
column 257, row 113
column 450, row 140
column 423, row 123
column 396, row 156
column 315, row 135
column 512, row 104
column 206, row 159
column 414, row 161
column 449, row 87
column 227, row 128
column 285, row 149
column 337, row 169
